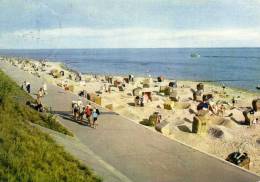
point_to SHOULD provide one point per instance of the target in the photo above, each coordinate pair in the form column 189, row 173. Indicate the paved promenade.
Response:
column 121, row 150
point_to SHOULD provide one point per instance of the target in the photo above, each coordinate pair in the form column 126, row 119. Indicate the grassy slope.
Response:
column 18, row 95
column 27, row 154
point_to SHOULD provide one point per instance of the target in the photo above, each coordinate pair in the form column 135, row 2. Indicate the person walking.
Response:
column 88, row 113
column 76, row 111
column 95, row 117
column 40, row 93
column 81, row 113
column 28, row 87
column 233, row 102
column 44, row 87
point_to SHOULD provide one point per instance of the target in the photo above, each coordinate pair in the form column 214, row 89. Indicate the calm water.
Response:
column 238, row 67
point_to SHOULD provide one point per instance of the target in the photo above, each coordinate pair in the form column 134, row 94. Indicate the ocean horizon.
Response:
column 235, row 67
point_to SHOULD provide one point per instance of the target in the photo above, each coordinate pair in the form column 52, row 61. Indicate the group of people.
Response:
column 139, row 101
column 40, row 94
column 27, row 86
column 91, row 113
column 210, row 105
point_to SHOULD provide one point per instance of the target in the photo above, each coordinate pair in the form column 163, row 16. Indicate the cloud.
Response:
column 79, row 37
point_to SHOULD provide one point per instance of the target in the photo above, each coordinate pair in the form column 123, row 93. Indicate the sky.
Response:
column 41, row 24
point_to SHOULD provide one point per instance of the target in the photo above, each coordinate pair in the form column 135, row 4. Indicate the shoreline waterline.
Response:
column 235, row 67
column 122, row 103
column 67, row 67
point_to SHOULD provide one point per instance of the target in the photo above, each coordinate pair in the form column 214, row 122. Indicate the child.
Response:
column 95, row 116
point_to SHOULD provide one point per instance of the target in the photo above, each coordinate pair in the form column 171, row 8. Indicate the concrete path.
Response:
column 121, row 150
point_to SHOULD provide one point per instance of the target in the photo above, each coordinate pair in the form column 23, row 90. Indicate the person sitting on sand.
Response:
column 221, row 110
column 137, row 100
column 203, row 106
column 212, row 106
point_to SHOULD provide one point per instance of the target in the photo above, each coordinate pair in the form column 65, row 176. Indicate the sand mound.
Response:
column 182, row 105
column 228, row 123
column 119, row 107
column 223, row 122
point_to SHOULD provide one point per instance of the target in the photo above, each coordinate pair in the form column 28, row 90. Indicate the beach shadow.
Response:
column 108, row 113
column 192, row 90
column 131, row 104
column 68, row 116
column 188, row 120
column 184, row 128
column 60, row 92
column 146, row 122
column 238, row 122
column 191, row 111
column 160, row 94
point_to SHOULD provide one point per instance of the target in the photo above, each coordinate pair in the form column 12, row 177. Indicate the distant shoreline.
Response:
column 131, row 48
column 176, row 114
column 74, row 70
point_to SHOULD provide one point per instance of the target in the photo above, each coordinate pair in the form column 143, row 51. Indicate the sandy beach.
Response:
column 225, row 133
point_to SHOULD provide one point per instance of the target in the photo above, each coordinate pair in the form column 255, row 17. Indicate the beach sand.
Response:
column 232, row 135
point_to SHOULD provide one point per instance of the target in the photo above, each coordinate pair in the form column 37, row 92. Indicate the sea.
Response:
column 234, row 67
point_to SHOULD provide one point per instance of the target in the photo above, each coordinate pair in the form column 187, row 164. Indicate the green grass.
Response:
column 9, row 89
column 26, row 153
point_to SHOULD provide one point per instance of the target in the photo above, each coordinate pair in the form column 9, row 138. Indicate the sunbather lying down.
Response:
column 37, row 106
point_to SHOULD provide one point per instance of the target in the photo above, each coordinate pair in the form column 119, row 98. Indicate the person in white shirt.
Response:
column 44, row 86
